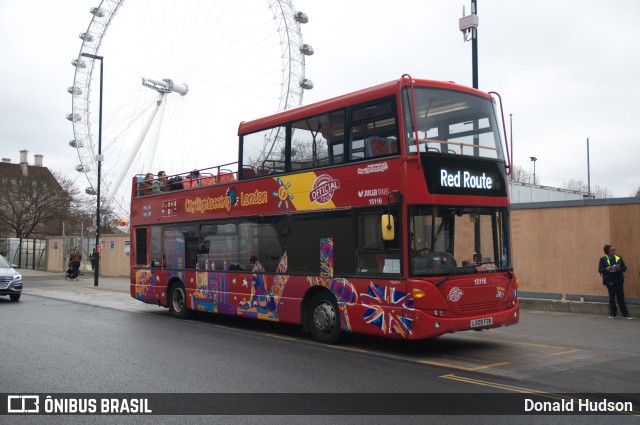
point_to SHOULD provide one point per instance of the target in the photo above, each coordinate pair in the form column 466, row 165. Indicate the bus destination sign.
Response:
column 457, row 175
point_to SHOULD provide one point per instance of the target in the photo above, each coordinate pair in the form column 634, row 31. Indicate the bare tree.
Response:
column 36, row 204
column 597, row 191
column 575, row 185
column 520, row 175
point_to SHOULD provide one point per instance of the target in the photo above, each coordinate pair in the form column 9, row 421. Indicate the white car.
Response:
column 10, row 280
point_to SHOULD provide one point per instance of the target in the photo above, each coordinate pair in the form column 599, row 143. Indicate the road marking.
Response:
column 288, row 338
column 470, row 369
column 493, row 385
column 563, row 352
column 358, row 350
column 449, row 365
column 488, row 366
column 531, row 344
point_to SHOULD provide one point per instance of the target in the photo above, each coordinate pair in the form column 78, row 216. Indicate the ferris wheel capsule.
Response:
column 301, row 17
column 306, row 84
column 97, row 12
column 86, row 37
column 306, row 49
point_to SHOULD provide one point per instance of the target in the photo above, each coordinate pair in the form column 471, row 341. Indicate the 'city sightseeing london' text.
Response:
column 466, row 180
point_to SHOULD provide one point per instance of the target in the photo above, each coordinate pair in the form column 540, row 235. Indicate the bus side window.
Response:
column 312, row 139
column 374, row 131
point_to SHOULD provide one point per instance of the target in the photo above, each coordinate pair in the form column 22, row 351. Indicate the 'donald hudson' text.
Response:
column 577, row 405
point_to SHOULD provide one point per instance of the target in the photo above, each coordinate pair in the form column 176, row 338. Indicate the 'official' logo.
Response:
column 323, row 189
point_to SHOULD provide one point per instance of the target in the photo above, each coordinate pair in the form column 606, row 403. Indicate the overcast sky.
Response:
column 567, row 71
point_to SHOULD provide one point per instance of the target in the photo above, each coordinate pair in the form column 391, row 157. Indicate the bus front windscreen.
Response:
column 458, row 240
column 451, row 122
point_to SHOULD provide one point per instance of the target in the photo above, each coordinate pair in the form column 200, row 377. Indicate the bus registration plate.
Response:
column 475, row 323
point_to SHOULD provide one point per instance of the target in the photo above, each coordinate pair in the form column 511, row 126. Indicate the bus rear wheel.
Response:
column 324, row 319
column 178, row 301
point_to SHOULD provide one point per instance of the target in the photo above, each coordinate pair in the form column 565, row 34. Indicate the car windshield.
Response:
column 4, row 263
column 447, row 240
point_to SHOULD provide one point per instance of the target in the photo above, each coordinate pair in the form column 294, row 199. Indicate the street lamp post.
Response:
column 588, row 172
column 99, row 160
column 511, row 141
column 534, row 159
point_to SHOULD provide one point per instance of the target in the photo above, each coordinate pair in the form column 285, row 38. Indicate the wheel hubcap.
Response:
column 178, row 300
column 324, row 317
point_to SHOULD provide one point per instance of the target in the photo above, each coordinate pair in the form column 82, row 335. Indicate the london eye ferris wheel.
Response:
column 178, row 78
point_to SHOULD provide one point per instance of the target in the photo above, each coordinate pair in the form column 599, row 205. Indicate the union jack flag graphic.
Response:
column 385, row 308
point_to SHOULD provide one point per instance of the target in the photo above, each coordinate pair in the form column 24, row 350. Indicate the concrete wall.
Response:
column 524, row 192
column 557, row 245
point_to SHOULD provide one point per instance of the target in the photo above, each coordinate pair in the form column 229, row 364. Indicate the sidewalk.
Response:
column 112, row 289
column 111, row 292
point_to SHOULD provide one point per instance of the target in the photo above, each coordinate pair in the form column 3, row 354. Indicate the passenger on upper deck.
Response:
column 160, row 185
column 194, row 176
column 145, row 187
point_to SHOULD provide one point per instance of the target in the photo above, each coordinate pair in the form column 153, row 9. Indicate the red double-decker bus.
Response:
column 382, row 212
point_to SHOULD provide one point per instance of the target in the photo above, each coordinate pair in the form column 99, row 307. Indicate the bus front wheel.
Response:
column 178, row 301
column 324, row 319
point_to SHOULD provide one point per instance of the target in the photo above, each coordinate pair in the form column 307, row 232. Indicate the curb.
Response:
column 581, row 307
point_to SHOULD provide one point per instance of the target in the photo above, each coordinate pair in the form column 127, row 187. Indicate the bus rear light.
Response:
column 437, row 325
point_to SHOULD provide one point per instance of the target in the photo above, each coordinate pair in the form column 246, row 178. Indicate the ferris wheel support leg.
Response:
column 124, row 167
column 155, row 136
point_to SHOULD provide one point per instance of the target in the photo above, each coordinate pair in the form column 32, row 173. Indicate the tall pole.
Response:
column 469, row 26
column 588, row 172
column 534, row 159
column 474, row 46
column 511, row 141
column 99, row 159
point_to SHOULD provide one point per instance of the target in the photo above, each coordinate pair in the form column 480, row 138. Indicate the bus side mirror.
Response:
column 388, row 228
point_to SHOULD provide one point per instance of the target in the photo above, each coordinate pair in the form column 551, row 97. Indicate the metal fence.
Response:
column 25, row 253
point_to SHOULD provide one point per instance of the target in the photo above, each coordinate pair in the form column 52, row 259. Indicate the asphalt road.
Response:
column 71, row 337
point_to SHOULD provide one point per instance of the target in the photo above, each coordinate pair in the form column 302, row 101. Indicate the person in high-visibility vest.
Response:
column 612, row 269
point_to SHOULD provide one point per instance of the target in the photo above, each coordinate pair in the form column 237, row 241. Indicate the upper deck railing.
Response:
column 219, row 174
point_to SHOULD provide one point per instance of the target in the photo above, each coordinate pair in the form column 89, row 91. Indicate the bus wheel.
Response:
column 178, row 301
column 325, row 318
